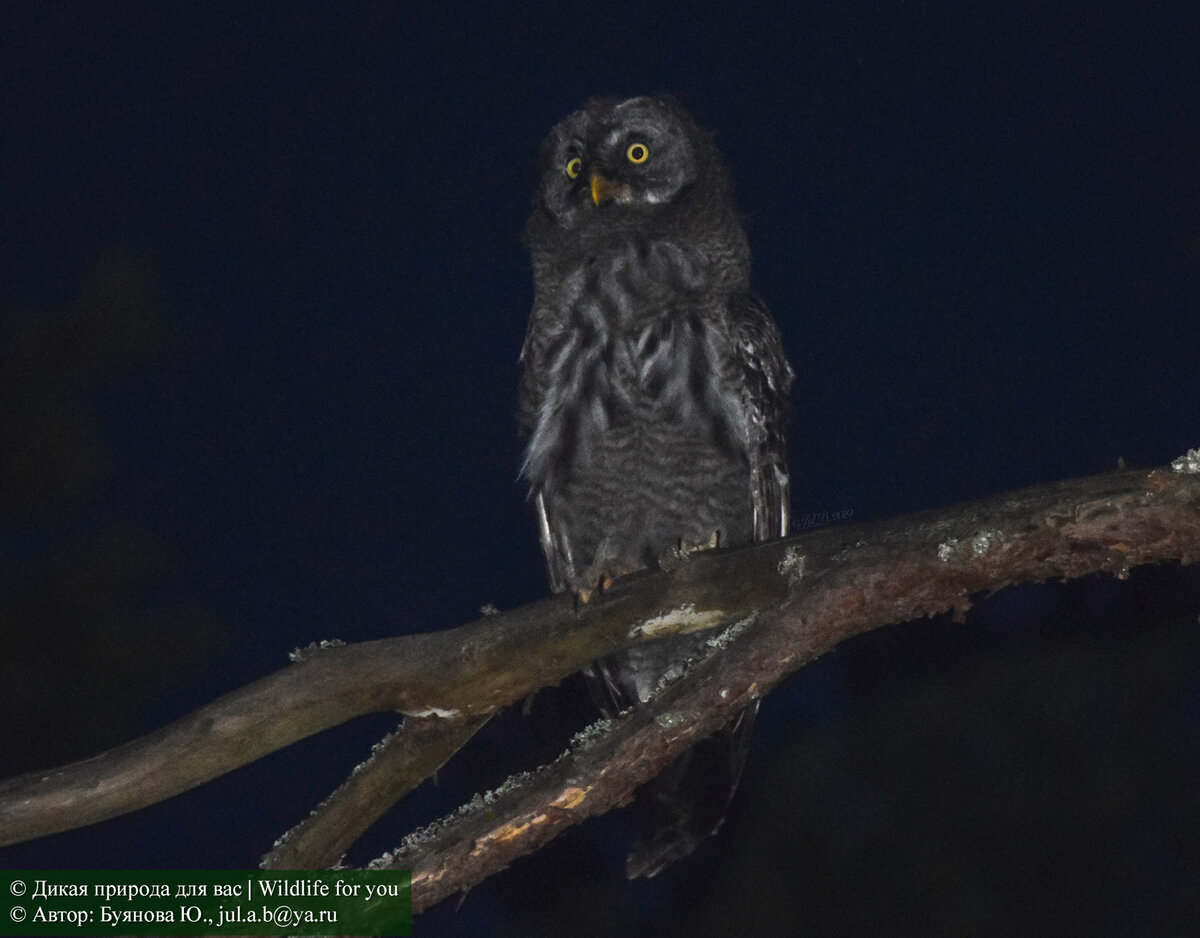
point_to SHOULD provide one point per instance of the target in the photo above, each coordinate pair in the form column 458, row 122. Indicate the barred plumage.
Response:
column 654, row 394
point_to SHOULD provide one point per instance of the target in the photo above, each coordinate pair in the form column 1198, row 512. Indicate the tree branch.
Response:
column 398, row 764
column 806, row 593
column 470, row 670
column 843, row 582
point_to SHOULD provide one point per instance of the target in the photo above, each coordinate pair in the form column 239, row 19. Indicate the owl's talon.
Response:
column 584, row 595
column 713, row 542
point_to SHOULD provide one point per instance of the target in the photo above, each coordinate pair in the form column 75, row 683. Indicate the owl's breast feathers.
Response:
column 653, row 398
column 630, row 336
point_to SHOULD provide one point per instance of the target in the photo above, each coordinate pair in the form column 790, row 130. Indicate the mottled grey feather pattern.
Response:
column 654, row 389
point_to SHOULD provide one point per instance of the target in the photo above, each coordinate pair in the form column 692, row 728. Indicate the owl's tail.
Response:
column 687, row 802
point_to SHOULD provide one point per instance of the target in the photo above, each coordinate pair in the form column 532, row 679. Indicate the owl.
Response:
column 653, row 402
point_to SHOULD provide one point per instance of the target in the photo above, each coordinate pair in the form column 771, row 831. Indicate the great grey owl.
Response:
column 653, row 401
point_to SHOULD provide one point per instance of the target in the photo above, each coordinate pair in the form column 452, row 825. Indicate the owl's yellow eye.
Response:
column 638, row 153
column 574, row 167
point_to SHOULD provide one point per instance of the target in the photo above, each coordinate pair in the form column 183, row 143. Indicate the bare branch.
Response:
column 470, row 670
column 399, row 763
column 808, row 593
column 891, row 572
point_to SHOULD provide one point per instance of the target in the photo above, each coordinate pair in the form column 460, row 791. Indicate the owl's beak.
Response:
column 604, row 188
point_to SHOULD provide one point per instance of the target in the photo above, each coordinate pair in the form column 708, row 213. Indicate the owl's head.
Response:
column 615, row 164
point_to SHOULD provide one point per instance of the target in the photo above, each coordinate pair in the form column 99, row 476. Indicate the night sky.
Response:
column 262, row 291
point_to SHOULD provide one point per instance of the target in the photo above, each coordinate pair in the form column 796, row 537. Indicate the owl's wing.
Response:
column 532, row 390
column 536, row 377
column 762, row 373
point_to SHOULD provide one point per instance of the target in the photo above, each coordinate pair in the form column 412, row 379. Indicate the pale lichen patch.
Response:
column 431, row 712
column 978, row 545
column 313, row 648
column 792, row 565
column 725, row 636
column 1189, row 463
column 589, row 734
column 947, row 549
column 983, row 542
column 679, row 621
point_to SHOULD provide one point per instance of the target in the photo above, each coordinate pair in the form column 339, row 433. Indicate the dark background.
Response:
column 262, row 293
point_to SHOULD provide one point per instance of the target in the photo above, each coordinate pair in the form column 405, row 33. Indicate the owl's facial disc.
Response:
column 613, row 163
